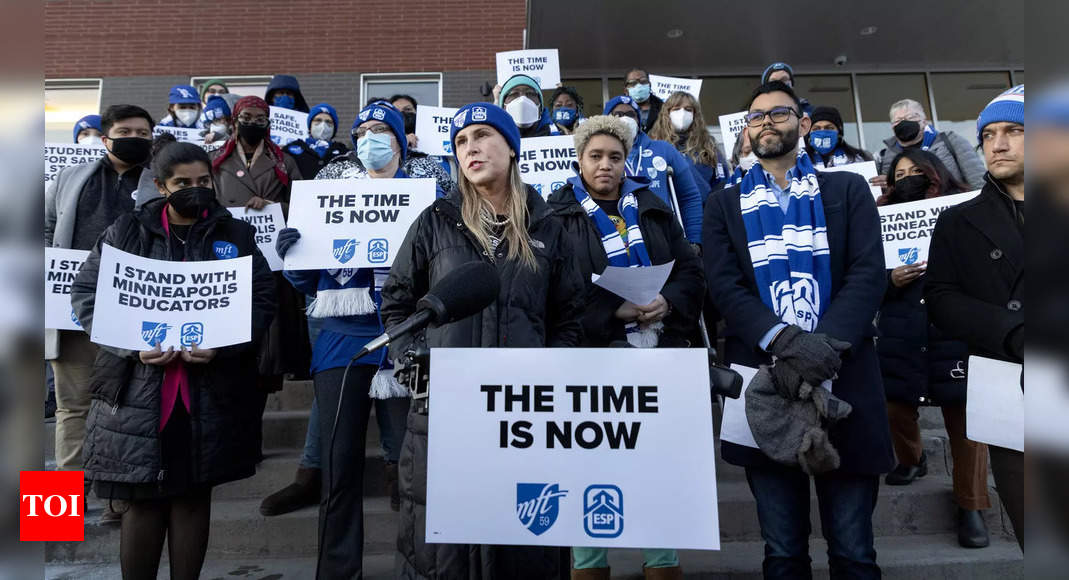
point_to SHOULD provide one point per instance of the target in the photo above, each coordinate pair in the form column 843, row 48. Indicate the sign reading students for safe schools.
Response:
column 141, row 302
column 542, row 65
column 663, row 86
column 575, row 447
column 268, row 222
column 546, row 162
column 731, row 127
column 61, row 267
column 353, row 223
column 906, row 228
column 61, row 155
column 288, row 125
column 432, row 129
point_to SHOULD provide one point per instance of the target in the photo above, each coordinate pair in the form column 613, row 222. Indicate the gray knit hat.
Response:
column 602, row 125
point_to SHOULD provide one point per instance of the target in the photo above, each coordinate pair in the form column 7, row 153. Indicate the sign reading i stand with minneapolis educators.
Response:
column 353, row 223
column 546, row 162
column 61, row 155
column 576, row 447
column 731, row 127
column 543, row 65
column 181, row 134
column 663, row 86
column 142, row 302
column 907, row 227
column 432, row 129
column 268, row 222
column 288, row 125
column 61, row 267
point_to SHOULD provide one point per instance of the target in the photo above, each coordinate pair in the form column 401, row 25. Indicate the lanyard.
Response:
column 635, row 170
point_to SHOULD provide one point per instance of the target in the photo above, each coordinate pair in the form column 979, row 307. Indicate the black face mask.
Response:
column 410, row 122
column 191, row 201
column 131, row 150
column 907, row 130
column 912, row 188
column 252, row 134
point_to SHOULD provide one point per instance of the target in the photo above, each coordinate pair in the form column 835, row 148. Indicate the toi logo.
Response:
column 50, row 506
column 537, row 505
column 603, row 511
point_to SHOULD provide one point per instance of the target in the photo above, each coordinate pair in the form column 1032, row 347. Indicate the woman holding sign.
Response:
column 165, row 426
column 922, row 366
column 493, row 217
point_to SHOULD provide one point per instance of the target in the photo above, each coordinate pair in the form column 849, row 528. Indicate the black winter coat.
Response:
column 122, row 440
column 664, row 240
column 975, row 277
column 308, row 161
column 920, row 364
column 858, row 280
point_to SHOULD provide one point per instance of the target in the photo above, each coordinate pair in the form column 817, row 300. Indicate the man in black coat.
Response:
column 755, row 333
column 975, row 284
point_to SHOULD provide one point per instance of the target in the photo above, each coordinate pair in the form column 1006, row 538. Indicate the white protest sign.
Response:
column 140, row 301
column 61, row 267
column 355, row 223
column 730, row 128
column 432, row 129
column 994, row 404
column 268, row 222
column 543, row 65
column 576, row 447
column 636, row 285
column 663, row 86
column 906, row 228
column 288, row 125
column 181, row 134
column 546, row 162
column 61, row 155
column 866, row 169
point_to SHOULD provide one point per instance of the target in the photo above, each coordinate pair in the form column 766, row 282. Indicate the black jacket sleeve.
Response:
column 564, row 304
column 685, row 287
column 84, row 287
column 264, row 303
column 408, row 281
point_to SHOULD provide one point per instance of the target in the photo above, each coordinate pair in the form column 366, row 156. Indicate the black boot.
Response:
column 391, row 487
column 972, row 529
column 905, row 474
column 304, row 491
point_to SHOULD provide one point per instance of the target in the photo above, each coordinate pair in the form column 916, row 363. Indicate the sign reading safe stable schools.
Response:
column 575, row 447
column 353, row 223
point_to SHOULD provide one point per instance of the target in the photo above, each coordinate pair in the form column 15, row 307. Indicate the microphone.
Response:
column 464, row 292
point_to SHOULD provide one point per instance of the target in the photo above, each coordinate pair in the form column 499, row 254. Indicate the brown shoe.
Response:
column 391, row 487
column 591, row 574
column 303, row 492
column 670, row 573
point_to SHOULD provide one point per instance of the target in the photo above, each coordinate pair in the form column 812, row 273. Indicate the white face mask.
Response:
column 632, row 126
column 322, row 130
column 747, row 161
column 186, row 116
column 90, row 140
column 524, row 111
column 219, row 128
column 681, row 119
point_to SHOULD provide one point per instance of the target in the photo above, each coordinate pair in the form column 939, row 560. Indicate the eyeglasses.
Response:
column 777, row 114
column 622, row 114
column 262, row 121
column 377, row 129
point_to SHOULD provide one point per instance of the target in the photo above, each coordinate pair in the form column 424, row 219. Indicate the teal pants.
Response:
column 599, row 558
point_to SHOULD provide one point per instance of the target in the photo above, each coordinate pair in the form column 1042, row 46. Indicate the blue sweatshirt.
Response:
column 651, row 158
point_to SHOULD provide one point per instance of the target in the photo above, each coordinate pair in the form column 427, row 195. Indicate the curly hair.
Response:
column 695, row 143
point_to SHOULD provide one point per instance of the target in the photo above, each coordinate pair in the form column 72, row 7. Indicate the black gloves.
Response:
column 285, row 240
column 804, row 357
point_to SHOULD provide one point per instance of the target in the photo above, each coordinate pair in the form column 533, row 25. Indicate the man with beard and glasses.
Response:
column 913, row 129
column 794, row 261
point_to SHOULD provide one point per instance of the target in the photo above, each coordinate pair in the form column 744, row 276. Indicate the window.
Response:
column 424, row 87
column 876, row 94
column 66, row 101
column 724, row 96
column 959, row 98
column 246, row 86
column 832, row 91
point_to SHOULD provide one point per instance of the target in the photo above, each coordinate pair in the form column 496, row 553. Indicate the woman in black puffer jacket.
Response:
column 165, row 464
column 922, row 367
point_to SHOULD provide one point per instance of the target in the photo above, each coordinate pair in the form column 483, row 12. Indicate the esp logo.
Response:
column 50, row 506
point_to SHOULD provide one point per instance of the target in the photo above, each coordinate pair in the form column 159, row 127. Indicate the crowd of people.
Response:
column 786, row 256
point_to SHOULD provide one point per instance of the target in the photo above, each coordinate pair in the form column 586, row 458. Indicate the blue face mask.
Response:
column 565, row 117
column 375, row 150
column 284, row 101
column 639, row 92
column 824, row 141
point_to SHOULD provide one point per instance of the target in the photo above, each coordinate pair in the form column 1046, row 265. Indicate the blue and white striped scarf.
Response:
column 789, row 252
column 929, row 137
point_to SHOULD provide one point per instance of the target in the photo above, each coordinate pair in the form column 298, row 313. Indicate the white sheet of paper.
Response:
column 61, row 266
column 663, row 86
column 543, row 65
column 734, row 428
column 994, row 408
column 730, row 128
column 866, row 169
column 268, row 222
column 432, row 129
column 636, row 285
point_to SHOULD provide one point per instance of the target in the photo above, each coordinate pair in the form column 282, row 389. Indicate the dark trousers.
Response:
column 1007, row 466
column 846, row 504
column 341, row 516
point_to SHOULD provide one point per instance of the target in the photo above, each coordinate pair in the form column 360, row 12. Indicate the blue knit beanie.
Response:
column 387, row 113
column 1008, row 107
column 216, row 109
column 485, row 114
column 323, row 108
column 87, row 122
column 775, row 67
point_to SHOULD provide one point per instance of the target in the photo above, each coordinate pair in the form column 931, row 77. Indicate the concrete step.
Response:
column 294, row 396
column 278, row 468
column 287, row 430
column 899, row 557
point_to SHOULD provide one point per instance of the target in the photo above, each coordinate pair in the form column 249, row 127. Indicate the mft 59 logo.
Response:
column 50, row 506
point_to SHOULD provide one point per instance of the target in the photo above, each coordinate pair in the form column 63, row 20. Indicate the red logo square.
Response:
column 51, row 505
